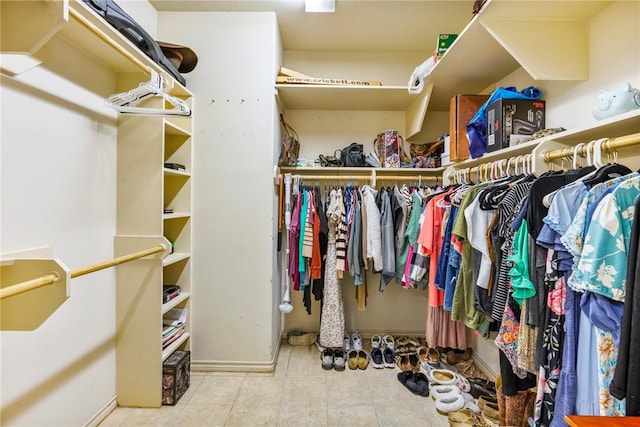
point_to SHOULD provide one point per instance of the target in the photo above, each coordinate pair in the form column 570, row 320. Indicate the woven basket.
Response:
column 303, row 339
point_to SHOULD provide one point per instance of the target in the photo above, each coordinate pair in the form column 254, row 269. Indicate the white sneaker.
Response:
column 356, row 341
column 347, row 343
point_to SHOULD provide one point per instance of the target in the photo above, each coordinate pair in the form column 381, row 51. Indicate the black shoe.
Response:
column 419, row 384
column 376, row 358
column 389, row 358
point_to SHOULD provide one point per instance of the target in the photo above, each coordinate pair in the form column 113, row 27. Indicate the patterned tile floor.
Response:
column 298, row 393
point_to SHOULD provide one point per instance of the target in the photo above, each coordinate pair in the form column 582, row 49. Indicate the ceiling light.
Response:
column 326, row 6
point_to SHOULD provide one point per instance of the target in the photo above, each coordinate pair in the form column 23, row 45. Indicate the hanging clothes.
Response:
column 332, row 316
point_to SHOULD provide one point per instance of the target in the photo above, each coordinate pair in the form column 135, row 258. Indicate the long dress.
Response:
column 332, row 317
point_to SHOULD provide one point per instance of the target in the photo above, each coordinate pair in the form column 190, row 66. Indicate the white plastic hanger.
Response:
column 127, row 102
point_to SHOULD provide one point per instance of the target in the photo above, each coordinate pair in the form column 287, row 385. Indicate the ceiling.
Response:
column 356, row 25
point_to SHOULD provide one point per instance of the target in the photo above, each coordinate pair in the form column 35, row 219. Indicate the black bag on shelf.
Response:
column 352, row 156
column 128, row 27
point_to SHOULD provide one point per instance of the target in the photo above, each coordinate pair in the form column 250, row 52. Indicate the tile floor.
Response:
column 298, row 393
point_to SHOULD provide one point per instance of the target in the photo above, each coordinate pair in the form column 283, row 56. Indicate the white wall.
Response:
column 58, row 183
column 235, row 287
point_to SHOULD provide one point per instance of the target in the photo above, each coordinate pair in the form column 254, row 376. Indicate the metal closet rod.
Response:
column 366, row 177
column 492, row 168
column 611, row 144
column 49, row 279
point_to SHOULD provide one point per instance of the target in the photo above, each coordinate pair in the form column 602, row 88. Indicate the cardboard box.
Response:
column 511, row 120
column 444, row 42
column 175, row 376
column 462, row 108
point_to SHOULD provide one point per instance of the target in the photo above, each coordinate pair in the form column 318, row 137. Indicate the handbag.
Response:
column 290, row 145
column 389, row 147
column 352, row 156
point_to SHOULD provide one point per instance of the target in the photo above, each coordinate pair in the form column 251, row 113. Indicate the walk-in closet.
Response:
column 240, row 213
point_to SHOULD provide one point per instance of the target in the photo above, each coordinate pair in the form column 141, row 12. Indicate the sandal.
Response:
column 442, row 376
column 363, row 359
column 352, row 360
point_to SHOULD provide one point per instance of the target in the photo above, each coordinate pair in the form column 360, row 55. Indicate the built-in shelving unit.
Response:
column 144, row 188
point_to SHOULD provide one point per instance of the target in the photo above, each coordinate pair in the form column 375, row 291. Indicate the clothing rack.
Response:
column 493, row 170
column 609, row 144
column 49, row 279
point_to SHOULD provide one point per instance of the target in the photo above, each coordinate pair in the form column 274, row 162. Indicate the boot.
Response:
column 515, row 409
column 501, row 401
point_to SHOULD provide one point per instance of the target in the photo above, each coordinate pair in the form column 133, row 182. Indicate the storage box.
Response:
column 444, row 42
column 462, row 108
column 175, row 376
column 511, row 120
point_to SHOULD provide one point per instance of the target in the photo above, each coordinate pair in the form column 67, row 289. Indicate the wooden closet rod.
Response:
column 610, row 145
column 49, row 279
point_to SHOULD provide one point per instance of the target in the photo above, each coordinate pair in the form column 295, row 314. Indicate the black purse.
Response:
column 352, row 156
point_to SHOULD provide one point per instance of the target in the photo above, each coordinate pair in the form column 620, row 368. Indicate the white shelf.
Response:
column 620, row 125
column 324, row 97
column 175, row 257
column 176, row 215
column 30, row 25
column 173, row 172
column 166, row 352
column 499, row 39
column 175, row 301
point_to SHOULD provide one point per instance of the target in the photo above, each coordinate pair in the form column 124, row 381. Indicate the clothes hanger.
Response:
column 608, row 171
column 127, row 102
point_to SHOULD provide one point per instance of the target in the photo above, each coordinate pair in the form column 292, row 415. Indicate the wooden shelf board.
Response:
column 362, row 98
column 173, row 172
column 174, row 129
column 166, row 352
column 174, row 302
column 175, row 257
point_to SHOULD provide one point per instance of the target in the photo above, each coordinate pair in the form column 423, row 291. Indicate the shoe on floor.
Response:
column 347, row 343
column 376, row 341
column 442, row 376
column 352, row 360
column 389, row 358
column 454, row 358
column 376, row 358
column 389, row 342
column 450, row 404
column 363, row 360
column 356, row 341
column 327, row 359
column 338, row 360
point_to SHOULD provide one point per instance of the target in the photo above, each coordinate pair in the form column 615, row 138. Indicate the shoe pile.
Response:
column 451, row 392
column 382, row 351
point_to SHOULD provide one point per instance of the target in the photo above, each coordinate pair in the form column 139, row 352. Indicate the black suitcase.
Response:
column 118, row 18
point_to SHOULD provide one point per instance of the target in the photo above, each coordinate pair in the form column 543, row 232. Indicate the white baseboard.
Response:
column 482, row 365
column 235, row 366
column 102, row 413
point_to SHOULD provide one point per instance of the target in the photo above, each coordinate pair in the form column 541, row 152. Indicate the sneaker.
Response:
column 356, row 341
column 327, row 359
column 389, row 342
column 338, row 360
column 347, row 343
column 376, row 341
column 376, row 358
column 389, row 358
